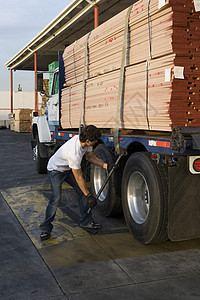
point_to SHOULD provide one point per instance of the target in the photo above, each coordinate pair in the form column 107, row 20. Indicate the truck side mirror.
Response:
column 40, row 82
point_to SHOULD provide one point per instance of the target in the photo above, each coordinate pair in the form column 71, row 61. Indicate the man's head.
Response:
column 89, row 133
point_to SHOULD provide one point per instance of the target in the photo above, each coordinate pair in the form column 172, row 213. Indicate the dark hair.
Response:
column 90, row 132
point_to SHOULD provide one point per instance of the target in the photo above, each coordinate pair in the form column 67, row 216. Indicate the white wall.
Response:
column 20, row 100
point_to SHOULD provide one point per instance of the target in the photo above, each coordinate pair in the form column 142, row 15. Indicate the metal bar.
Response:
column 36, row 93
column 109, row 175
column 185, row 130
column 11, row 91
column 96, row 16
column 90, row 2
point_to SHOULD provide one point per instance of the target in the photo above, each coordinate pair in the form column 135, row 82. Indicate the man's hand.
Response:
column 91, row 201
column 110, row 167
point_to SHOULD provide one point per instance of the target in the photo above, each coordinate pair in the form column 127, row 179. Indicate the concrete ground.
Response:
column 75, row 264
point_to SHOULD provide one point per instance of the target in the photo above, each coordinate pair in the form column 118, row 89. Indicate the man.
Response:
column 65, row 165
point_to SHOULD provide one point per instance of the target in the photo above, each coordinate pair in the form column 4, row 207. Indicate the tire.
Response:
column 144, row 198
column 109, row 202
column 41, row 163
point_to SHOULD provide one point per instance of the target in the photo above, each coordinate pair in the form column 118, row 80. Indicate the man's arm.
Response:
column 81, row 181
column 91, row 157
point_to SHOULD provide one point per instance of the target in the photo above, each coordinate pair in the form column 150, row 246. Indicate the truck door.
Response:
column 53, row 103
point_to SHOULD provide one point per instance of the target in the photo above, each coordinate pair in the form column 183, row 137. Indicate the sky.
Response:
column 20, row 22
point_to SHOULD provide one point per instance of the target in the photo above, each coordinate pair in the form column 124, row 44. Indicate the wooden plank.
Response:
column 156, row 97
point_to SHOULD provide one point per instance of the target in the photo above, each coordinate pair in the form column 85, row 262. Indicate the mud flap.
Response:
column 184, row 203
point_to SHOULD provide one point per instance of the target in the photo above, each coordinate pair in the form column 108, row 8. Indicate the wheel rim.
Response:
column 138, row 197
column 99, row 178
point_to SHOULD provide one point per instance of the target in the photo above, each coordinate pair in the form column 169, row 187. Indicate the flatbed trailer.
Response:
column 157, row 184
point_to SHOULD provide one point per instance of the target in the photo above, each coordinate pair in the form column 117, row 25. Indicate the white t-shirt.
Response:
column 68, row 156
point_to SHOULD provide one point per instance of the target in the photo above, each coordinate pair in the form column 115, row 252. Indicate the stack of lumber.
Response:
column 23, row 120
column 161, row 85
column 44, row 98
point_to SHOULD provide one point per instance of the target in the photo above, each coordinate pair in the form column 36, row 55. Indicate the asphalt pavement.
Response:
column 75, row 264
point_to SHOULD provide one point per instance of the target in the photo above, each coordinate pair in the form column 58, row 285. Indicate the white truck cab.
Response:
column 41, row 125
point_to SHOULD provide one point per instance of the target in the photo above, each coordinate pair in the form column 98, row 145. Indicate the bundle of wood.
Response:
column 23, row 118
column 161, row 82
column 23, row 114
column 45, row 98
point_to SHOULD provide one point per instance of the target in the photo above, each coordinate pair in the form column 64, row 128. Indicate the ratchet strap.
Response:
column 82, row 110
column 147, row 66
column 70, row 103
column 121, row 81
column 147, row 94
column 150, row 30
column 74, row 60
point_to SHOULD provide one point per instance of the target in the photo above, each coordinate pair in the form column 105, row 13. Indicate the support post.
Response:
column 96, row 16
column 36, row 93
column 11, row 91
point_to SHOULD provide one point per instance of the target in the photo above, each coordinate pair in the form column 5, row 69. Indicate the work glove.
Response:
column 109, row 167
column 92, row 202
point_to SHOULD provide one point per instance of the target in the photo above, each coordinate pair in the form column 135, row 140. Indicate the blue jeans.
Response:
column 56, row 179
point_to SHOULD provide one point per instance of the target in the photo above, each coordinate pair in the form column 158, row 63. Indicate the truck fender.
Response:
column 41, row 134
column 44, row 133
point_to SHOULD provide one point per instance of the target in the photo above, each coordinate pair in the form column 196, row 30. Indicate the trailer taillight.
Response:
column 154, row 156
column 196, row 165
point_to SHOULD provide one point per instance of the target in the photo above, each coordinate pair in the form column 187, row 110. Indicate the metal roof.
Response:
column 73, row 22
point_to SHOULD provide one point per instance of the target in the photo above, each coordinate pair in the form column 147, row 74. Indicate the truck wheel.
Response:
column 109, row 202
column 144, row 198
column 41, row 163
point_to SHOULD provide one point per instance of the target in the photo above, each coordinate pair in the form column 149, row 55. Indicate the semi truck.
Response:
column 156, row 185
